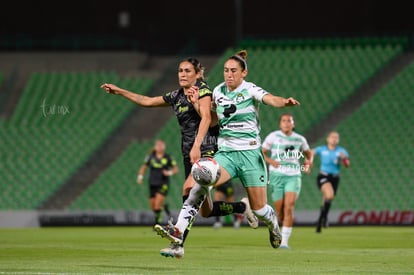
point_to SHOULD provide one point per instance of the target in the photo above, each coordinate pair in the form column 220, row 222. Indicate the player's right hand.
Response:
column 110, row 88
column 275, row 163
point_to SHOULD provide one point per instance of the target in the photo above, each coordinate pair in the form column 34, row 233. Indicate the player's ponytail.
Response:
column 241, row 57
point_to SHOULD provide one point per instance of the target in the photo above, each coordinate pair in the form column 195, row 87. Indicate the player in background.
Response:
column 198, row 132
column 284, row 151
column 236, row 102
column 162, row 166
column 331, row 156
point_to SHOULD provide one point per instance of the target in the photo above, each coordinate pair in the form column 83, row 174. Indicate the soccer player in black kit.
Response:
column 192, row 107
column 161, row 166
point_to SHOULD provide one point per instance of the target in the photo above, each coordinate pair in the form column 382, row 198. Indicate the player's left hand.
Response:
column 291, row 102
column 307, row 166
column 193, row 94
column 195, row 154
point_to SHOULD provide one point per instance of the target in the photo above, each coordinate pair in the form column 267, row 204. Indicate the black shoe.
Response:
column 325, row 223
column 319, row 226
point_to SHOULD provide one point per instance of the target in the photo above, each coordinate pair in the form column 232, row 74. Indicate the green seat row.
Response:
column 379, row 138
column 59, row 121
column 321, row 78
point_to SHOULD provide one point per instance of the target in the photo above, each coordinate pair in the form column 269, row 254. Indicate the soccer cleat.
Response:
column 169, row 232
column 284, row 247
column 275, row 236
column 318, row 228
column 319, row 225
column 173, row 250
column 248, row 213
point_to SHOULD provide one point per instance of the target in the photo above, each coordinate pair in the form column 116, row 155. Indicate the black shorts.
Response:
column 226, row 188
column 324, row 178
column 162, row 189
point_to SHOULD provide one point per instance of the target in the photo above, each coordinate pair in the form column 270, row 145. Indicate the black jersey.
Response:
column 157, row 165
column 189, row 119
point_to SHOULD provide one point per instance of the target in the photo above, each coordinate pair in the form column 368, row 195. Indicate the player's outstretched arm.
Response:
column 141, row 100
column 279, row 102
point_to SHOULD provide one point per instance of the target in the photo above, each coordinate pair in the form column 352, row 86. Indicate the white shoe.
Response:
column 217, row 225
column 275, row 236
column 248, row 213
column 169, row 232
column 173, row 250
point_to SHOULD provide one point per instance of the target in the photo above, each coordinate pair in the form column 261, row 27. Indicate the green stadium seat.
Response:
column 320, row 73
column 379, row 138
column 43, row 151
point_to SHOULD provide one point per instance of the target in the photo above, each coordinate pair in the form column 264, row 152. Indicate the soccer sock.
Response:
column 185, row 234
column 286, row 232
column 191, row 207
column 157, row 214
column 222, row 208
column 326, row 206
column 185, row 197
column 167, row 210
column 268, row 216
column 321, row 214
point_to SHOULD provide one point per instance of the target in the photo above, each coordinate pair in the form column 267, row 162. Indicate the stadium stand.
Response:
column 109, row 191
column 322, row 74
column 117, row 189
column 58, row 122
column 379, row 137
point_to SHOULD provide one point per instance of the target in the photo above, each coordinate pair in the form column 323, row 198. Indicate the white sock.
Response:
column 268, row 216
column 191, row 207
column 286, row 232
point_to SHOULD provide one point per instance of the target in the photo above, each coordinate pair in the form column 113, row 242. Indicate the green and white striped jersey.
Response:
column 238, row 116
column 287, row 150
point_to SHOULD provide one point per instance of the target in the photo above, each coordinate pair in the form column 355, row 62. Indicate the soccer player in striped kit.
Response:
column 239, row 148
column 198, row 133
column 287, row 150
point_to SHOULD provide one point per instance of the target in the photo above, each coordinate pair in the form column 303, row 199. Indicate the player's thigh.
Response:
column 276, row 186
column 293, row 184
column 251, row 168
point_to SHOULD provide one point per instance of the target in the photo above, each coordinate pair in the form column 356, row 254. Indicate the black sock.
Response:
column 326, row 206
column 221, row 208
column 322, row 213
column 184, row 236
column 157, row 214
column 167, row 210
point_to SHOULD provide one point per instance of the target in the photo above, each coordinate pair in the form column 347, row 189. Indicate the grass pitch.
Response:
column 135, row 250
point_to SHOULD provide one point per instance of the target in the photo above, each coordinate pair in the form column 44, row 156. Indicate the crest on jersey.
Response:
column 240, row 97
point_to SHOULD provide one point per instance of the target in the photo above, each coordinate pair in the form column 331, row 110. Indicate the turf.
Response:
column 135, row 250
